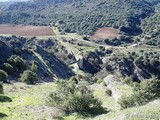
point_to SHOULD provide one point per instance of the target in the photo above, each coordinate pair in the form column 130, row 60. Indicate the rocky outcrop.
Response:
column 90, row 62
column 55, row 66
column 111, row 81
column 126, row 67
column 120, row 68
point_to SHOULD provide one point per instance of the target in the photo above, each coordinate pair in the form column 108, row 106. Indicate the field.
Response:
column 105, row 33
column 20, row 30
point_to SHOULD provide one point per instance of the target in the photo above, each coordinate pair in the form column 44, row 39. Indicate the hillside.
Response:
column 151, row 28
column 71, row 16
column 43, row 52
column 80, row 60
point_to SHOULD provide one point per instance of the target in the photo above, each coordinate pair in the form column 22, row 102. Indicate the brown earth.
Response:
column 105, row 33
column 21, row 30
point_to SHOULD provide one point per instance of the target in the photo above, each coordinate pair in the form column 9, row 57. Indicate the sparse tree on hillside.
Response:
column 1, row 88
column 34, row 67
column 143, row 93
column 3, row 76
column 8, row 68
column 17, row 61
column 29, row 77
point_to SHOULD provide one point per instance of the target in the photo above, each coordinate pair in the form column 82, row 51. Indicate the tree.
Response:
column 8, row 68
column 1, row 88
column 29, row 77
column 3, row 76
column 72, row 97
column 126, row 101
column 143, row 93
column 74, row 79
column 34, row 67
column 17, row 61
column 128, row 80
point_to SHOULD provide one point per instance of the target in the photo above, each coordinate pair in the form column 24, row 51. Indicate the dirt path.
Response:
column 110, row 80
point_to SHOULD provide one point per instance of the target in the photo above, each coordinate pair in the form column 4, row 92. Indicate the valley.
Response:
column 80, row 60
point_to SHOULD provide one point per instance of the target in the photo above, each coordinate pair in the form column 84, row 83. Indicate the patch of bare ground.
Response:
column 22, row 30
column 105, row 33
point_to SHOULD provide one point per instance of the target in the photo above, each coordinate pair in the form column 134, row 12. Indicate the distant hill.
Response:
column 151, row 28
column 81, row 16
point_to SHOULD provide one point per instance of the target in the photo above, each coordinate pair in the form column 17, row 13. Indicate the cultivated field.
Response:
column 105, row 33
column 21, row 30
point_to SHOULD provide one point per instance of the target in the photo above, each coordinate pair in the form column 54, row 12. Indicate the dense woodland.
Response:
column 71, row 16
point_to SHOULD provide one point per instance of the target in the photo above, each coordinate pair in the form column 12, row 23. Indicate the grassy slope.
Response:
column 28, row 102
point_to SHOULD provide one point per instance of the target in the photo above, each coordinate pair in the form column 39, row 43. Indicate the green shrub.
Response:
column 29, row 77
column 17, row 51
column 74, row 79
column 1, row 88
column 3, row 76
column 143, row 93
column 88, row 78
column 109, row 92
column 72, row 97
column 34, row 67
column 128, row 80
column 8, row 68
column 126, row 101
column 99, row 81
column 17, row 61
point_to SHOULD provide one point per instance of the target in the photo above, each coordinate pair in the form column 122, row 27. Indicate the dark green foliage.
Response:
column 3, row 76
column 118, row 41
column 1, row 88
column 144, row 92
column 2, row 115
column 88, row 78
column 148, row 60
column 34, row 67
column 29, row 77
column 126, row 101
column 17, row 61
column 99, row 81
column 151, row 86
column 77, row 16
column 17, row 51
column 5, row 99
column 109, row 92
column 128, row 80
column 74, row 98
column 74, row 79
column 151, row 28
column 47, row 49
column 8, row 68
